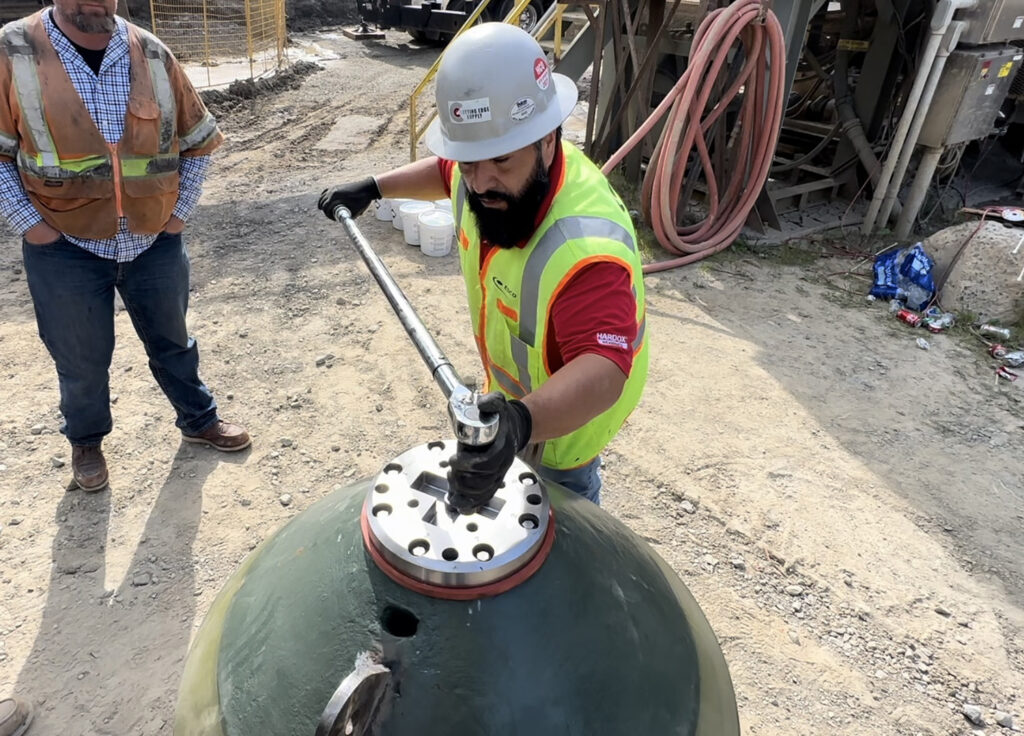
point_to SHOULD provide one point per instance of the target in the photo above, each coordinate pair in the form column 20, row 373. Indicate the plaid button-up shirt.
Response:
column 106, row 97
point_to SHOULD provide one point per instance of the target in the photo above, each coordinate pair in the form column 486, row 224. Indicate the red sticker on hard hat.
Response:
column 542, row 73
column 522, row 109
column 470, row 111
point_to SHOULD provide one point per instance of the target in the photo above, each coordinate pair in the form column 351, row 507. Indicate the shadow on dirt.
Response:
column 141, row 623
column 887, row 404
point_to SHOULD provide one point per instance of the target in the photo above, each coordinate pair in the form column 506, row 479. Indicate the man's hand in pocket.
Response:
column 42, row 234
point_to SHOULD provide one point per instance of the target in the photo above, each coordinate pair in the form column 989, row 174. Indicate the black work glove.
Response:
column 476, row 471
column 355, row 197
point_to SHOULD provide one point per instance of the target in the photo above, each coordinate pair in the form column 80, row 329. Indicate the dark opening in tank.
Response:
column 399, row 622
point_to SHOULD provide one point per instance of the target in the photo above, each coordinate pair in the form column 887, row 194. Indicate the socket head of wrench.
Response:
column 471, row 426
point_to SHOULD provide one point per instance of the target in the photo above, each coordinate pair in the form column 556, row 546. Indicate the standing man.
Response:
column 104, row 145
column 549, row 257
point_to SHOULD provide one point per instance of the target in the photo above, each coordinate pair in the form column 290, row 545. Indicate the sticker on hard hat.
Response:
column 522, row 108
column 542, row 73
column 470, row 111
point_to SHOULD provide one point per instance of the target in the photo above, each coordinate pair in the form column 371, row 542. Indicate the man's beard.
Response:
column 88, row 23
column 508, row 227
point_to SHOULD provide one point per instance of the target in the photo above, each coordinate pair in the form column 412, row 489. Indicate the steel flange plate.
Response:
column 414, row 529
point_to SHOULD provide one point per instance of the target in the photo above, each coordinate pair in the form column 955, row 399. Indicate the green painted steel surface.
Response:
column 603, row 639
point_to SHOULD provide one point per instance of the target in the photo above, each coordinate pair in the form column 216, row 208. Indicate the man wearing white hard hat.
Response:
column 549, row 256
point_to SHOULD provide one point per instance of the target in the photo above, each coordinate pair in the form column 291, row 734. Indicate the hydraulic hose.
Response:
column 684, row 139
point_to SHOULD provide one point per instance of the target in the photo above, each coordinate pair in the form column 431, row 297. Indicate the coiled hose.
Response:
column 753, row 138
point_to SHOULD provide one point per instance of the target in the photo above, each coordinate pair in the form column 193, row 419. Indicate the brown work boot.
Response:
column 89, row 469
column 223, row 436
column 15, row 717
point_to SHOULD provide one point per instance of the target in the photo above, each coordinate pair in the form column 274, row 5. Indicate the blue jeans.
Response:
column 584, row 480
column 73, row 294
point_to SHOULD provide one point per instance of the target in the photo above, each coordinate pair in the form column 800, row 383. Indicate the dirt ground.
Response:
column 846, row 506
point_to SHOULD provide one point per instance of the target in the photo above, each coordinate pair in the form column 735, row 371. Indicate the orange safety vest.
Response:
column 79, row 183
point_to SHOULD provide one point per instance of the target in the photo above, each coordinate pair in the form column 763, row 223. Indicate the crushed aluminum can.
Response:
column 1004, row 372
column 1014, row 359
column 940, row 322
column 996, row 350
column 995, row 331
column 911, row 318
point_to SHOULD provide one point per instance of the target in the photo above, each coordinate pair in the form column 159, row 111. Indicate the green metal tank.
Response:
column 381, row 610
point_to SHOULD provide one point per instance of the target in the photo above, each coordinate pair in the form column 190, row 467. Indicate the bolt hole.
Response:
column 443, row 463
column 471, row 527
column 414, row 502
column 533, row 499
column 392, row 468
column 419, row 547
column 529, row 521
column 528, row 479
column 382, row 511
column 483, row 552
column 381, row 488
column 435, row 445
column 399, row 622
column 450, row 554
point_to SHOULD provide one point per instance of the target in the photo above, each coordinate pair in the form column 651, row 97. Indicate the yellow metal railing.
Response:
column 553, row 16
column 241, row 33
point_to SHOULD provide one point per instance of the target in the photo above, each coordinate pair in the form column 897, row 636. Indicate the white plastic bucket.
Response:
column 410, row 213
column 384, row 212
column 445, row 205
column 437, row 228
column 396, row 214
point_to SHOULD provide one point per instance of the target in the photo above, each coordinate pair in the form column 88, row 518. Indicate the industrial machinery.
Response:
column 383, row 610
column 439, row 20
column 877, row 92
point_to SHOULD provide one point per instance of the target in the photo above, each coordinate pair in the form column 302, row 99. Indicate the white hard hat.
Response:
column 496, row 94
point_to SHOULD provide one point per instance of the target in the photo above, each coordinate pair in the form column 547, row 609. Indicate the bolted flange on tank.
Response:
column 380, row 610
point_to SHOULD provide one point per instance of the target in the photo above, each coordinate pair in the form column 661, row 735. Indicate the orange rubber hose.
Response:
column 755, row 133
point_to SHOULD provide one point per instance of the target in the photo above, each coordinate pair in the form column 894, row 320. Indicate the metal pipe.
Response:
column 471, row 427
column 440, row 367
column 940, row 21
column 923, row 178
column 852, row 126
column 949, row 43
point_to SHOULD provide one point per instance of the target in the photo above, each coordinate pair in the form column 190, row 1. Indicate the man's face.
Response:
column 505, row 193
column 88, row 16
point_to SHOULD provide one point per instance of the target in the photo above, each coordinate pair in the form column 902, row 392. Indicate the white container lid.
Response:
column 437, row 219
column 416, row 205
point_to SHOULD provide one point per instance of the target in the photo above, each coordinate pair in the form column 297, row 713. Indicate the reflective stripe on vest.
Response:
column 200, row 134
column 161, row 90
column 30, row 95
column 8, row 146
column 47, row 164
column 561, row 232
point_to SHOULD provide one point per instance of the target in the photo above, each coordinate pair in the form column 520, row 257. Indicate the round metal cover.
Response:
column 416, row 531
column 1013, row 214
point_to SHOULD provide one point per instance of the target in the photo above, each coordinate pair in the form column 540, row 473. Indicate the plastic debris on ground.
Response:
column 923, row 344
column 905, row 275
